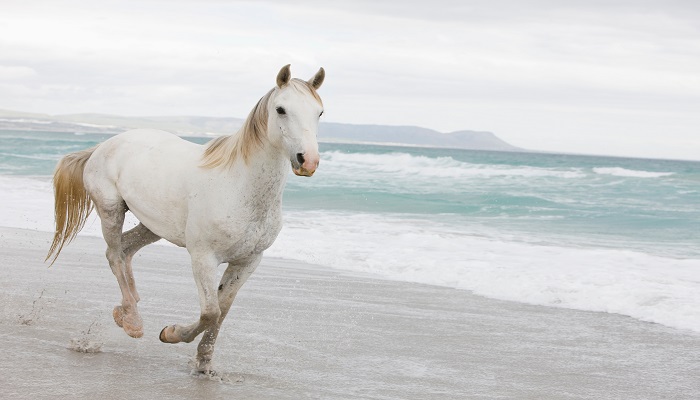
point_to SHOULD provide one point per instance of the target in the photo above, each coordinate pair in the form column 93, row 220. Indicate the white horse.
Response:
column 222, row 200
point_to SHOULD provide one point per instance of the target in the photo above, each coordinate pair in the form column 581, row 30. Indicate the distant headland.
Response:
column 212, row 126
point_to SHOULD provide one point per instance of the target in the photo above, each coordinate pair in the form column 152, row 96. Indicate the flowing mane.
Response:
column 225, row 149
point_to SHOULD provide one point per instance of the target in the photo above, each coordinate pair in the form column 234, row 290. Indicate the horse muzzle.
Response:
column 303, row 171
column 305, row 165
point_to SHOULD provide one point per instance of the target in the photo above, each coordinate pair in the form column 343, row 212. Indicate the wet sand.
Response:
column 301, row 331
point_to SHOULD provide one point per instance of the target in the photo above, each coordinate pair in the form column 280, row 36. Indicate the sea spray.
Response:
column 90, row 339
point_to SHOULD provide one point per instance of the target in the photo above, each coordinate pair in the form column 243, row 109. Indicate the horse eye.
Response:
column 319, row 115
column 281, row 111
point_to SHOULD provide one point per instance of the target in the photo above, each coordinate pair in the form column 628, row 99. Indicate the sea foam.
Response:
column 409, row 165
column 650, row 288
column 618, row 171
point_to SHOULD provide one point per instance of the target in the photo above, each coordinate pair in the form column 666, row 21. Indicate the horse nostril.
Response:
column 300, row 158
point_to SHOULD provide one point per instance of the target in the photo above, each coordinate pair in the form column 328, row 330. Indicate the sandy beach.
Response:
column 305, row 331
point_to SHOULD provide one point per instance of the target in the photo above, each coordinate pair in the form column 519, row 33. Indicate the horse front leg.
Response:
column 236, row 274
column 204, row 269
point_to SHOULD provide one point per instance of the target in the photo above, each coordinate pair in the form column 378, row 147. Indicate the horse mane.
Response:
column 225, row 150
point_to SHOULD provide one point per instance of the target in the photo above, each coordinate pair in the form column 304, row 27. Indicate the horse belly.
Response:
column 160, row 204
column 168, row 227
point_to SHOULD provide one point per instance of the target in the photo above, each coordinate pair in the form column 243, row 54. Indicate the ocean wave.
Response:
column 408, row 165
column 24, row 120
column 650, row 288
column 38, row 156
column 10, row 167
column 93, row 125
column 618, row 171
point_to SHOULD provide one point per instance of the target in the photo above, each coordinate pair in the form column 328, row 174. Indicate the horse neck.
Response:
column 266, row 172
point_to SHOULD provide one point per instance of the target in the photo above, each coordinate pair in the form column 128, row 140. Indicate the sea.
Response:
column 605, row 234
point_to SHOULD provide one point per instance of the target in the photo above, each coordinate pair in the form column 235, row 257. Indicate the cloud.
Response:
column 540, row 72
column 10, row 72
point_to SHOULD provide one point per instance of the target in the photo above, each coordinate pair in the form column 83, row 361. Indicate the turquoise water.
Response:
column 650, row 205
column 593, row 233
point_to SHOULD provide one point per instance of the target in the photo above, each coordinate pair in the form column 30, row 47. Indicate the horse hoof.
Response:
column 167, row 335
column 118, row 314
column 132, row 325
column 136, row 333
column 206, row 372
column 162, row 335
column 204, row 367
column 133, row 331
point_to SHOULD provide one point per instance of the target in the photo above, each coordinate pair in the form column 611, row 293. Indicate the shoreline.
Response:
column 298, row 330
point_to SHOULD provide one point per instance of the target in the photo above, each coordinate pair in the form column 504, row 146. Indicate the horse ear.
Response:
column 317, row 80
column 284, row 75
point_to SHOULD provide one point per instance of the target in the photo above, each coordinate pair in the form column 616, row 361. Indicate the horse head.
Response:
column 294, row 110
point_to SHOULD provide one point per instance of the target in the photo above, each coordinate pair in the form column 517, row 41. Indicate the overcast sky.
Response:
column 601, row 77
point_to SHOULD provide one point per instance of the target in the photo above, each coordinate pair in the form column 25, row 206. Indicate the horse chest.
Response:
column 250, row 236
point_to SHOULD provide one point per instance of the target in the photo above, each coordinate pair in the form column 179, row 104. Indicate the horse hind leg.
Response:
column 133, row 241
column 112, row 218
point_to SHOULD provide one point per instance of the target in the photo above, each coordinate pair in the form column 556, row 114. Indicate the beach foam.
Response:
column 650, row 288
column 28, row 203
column 617, row 171
column 407, row 165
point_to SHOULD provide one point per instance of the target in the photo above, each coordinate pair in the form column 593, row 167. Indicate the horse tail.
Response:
column 72, row 202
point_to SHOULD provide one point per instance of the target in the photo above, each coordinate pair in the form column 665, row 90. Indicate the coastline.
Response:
column 304, row 331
